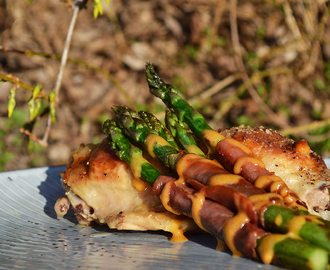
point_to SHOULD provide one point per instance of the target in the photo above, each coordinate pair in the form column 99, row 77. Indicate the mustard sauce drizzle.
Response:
column 243, row 160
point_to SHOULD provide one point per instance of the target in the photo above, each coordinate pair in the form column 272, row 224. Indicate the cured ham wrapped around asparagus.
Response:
column 263, row 157
column 221, row 203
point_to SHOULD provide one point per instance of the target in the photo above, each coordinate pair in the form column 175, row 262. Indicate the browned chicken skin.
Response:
column 102, row 188
column 301, row 169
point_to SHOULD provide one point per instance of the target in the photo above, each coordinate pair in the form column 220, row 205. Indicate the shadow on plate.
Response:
column 52, row 189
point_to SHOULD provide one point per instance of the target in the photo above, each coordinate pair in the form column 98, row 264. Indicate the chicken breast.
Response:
column 101, row 188
column 302, row 170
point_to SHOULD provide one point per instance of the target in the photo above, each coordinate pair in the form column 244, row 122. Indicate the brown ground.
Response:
column 194, row 46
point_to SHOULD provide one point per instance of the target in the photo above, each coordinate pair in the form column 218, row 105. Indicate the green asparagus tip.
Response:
column 153, row 79
column 156, row 85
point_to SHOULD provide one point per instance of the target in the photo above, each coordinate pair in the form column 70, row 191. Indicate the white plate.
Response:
column 31, row 235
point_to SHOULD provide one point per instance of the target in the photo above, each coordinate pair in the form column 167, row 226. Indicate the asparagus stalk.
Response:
column 155, row 125
column 179, row 131
column 311, row 228
column 182, row 109
column 147, row 135
column 129, row 153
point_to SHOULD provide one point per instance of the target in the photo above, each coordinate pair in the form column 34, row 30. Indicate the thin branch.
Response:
column 256, row 77
column 12, row 79
column 238, row 58
column 305, row 128
column 78, row 6
column 221, row 5
column 215, row 88
column 78, row 62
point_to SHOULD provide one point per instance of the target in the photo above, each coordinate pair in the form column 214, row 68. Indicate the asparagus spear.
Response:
column 310, row 228
column 179, row 131
column 283, row 252
column 185, row 112
column 129, row 153
column 155, row 125
column 145, row 134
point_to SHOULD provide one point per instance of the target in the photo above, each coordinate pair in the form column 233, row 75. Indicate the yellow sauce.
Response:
column 265, row 180
column 223, row 179
column 139, row 185
column 230, row 229
column 186, row 160
column 198, row 200
column 165, row 198
column 221, row 245
column 261, row 200
column 266, row 246
column 277, row 185
column 177, row 232
column 212, row 137
column 135, row 165
column 243, row 160
column 194, row 149
column 302, row 147
column 237, row 144
column 278, row 220
column 151, row 140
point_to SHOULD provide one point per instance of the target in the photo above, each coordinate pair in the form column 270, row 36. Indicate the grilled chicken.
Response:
column 301, row 169
column 102, row 189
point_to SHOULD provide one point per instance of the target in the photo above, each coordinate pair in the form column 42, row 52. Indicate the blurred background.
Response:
column 259, row 62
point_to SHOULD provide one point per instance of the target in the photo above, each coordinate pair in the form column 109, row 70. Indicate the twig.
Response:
column 33, row 137
column 12, row 79
column 78, row 6
column 79, row 63
column 215, row 88
column 311, row 65
column 256, row 77
column 292, row 24
column 238, row 58
column 304, row 128
column 221, row 5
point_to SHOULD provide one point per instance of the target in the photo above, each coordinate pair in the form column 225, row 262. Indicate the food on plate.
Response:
column 101, row 188
column 230, row 189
